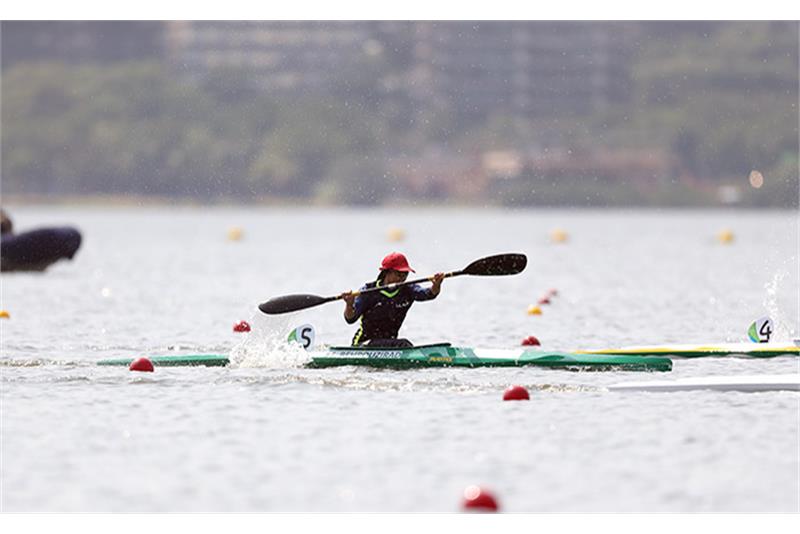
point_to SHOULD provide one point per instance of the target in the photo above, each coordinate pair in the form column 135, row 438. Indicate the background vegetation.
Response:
column 719, row 107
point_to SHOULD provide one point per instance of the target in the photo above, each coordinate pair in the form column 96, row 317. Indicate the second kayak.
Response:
column 744, row 383
column 754, row 350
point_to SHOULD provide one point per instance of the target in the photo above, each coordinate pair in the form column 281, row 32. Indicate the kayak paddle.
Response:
column 499, row 265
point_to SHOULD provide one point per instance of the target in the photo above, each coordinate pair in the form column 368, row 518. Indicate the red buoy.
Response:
column 544, row 300
column 477, row 499
column 241, row 326
column 531, row 340
column 552, row 292
column 516, row 393
column 142, row 364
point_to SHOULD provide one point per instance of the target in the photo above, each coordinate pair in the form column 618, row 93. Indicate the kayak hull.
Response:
column 743, row 383
column 440, row 355
column 445, row 355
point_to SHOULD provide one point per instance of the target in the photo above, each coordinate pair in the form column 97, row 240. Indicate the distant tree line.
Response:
column 134, row 128
column 722, row 107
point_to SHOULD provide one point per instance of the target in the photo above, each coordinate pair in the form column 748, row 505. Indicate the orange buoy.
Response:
column 395, row 235
column 559, row 236
column 725, row 237
column 235, row 233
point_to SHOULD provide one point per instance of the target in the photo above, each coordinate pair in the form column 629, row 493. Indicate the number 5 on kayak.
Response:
column 499, row 265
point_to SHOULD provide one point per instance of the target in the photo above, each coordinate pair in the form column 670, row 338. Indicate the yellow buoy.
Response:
column 4, row 315
column 534, row 310
column 235, row 233
column 725, row 237
column 559, row 236
column 395, row 234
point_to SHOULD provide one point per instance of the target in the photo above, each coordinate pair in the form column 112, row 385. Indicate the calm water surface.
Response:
column 268, row 435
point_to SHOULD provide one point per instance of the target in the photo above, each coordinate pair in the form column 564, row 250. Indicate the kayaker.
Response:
column 382, row 312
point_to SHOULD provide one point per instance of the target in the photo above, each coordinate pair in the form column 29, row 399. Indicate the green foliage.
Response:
column 358, row 182
column 725, row 103
column 722, row 104
column 136, row 128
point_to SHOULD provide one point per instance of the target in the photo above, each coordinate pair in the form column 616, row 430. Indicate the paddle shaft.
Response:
column 498, row 265
column 392, row 287
column 388, row 287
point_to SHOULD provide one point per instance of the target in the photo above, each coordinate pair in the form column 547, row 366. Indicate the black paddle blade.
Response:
column 500, row 265
column 291, row 303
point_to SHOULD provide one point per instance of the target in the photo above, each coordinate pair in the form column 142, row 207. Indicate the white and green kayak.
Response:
column 438, row 355
column 743, row 383
column 755, row 350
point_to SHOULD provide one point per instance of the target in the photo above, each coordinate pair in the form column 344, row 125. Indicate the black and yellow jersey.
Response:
column 382, row 312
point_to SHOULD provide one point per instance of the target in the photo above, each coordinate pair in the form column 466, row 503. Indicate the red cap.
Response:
column 396, row 262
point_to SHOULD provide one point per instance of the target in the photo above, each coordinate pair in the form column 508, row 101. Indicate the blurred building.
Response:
column 80, row 41
column 467, row 69
column 528, row 68
column 277, row 56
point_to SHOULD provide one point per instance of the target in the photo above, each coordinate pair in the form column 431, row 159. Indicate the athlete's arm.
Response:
column 428, row 293
column 349, row 306
column 354, row 306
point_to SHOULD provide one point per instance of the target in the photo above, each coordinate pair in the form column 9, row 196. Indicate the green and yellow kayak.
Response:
column 754, row 350
column 438, row 355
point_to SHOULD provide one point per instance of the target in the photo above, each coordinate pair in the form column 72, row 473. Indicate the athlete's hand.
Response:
column 437, row 283
column 349, row 298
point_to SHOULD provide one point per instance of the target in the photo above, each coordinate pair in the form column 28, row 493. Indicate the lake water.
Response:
column 267, row 435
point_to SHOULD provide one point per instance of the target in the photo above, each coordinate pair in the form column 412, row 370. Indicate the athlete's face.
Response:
column 394, row 277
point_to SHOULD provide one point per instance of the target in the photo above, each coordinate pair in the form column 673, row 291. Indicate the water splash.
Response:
column 266, row 344
column 42, row 362
column 781, row 322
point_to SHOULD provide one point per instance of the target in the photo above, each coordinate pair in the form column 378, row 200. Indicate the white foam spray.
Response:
column 266, row 344
column 780, row 320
